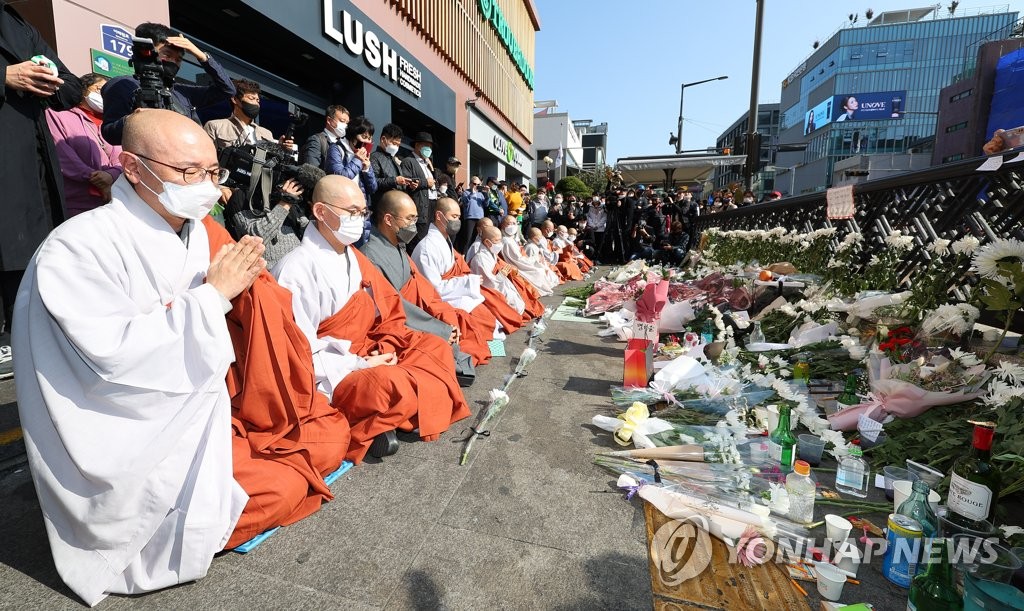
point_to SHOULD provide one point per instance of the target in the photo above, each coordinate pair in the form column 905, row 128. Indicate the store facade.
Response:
column 446, row 67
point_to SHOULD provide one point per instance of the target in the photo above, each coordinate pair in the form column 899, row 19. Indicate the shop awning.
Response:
column 675, row 169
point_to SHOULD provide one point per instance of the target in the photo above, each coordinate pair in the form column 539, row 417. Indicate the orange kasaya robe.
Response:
column 495, row 302
column 566, row 267
column 286, row 435
column 476, row 327
column 531, row 297
column 420, row 391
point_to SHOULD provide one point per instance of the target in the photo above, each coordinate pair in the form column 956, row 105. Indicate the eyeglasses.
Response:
column 193, row 176
column 357, row 214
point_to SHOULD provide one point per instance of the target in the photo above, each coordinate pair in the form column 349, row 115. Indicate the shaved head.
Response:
column 549, row 225
column 396, row 203
column 509, row 220
column 484, row 222
column 338, row 191
column 534, row 232
column 491, row 233
column 447, row 205
column 561, row 228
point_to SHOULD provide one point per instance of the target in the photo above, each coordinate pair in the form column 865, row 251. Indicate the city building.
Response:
column 874, row 90
column 733, row 139
column 556, row 138
column 595, row 143
column 964, row 106
column 461, row 70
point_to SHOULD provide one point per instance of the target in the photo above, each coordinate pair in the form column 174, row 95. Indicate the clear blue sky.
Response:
column 623, row 61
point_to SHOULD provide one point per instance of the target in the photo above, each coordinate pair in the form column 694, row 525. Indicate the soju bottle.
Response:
column 757, row 335
column 934, row 589
column 917, row 507
column 781, row 442
column 975, row 483
column 849, row 395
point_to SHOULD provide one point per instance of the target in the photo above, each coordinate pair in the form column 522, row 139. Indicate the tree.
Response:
column 597, row 180
column 570, row 185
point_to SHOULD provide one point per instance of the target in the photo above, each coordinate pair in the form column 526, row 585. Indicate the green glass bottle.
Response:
column 975, row 482
column 849, row 395
column 917, row 507
column 782, row 442
column 934, row 589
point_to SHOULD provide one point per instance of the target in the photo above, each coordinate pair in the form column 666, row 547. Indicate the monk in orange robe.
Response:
column 394, row 222
column 382, row 375
column 286, row 435
column 449, row 273
column 583, row 260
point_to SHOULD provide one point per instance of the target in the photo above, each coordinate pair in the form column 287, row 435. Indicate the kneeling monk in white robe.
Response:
column 381, row 374
column 121, row 349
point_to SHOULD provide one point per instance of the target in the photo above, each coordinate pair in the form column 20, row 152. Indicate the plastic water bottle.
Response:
column 853, row 474
column 801, row 493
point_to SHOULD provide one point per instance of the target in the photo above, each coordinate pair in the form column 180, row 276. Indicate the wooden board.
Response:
column 722, row 585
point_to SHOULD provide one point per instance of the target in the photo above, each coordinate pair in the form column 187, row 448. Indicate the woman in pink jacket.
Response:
column 88, row 163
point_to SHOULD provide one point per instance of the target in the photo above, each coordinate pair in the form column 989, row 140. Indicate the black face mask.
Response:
column 170, row 70
column 250, row 110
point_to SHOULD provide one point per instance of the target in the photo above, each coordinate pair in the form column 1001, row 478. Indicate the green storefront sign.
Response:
column 109, row 64
column 492, row 13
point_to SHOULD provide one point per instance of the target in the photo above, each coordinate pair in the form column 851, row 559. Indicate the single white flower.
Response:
column 1009, row 372
column 965, row 245
column 987, row 258
column 940, row 247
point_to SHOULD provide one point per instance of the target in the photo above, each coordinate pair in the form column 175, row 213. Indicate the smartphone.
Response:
column 368, row 146
column 1014, row 137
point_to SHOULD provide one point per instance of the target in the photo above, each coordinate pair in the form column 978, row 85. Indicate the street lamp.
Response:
column 679, row 127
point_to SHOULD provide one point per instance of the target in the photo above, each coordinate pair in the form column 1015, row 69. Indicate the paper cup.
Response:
column 848, row 557
column 902, row 489
column 837, row 529
column 830, row 581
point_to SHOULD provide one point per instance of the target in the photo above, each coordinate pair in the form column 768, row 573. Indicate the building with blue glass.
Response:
column 873, row 91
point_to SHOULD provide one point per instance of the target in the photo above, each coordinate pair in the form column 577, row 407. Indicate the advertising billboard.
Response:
column 877, row 106
column 819, row 116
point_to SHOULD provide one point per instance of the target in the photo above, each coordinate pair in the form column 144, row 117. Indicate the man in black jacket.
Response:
column 171, row 46
column 386, row 164
column 30, row 179
column 314, row 149
column 420, row 170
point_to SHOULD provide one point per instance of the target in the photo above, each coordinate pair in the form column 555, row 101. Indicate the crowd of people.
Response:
column 185, row 385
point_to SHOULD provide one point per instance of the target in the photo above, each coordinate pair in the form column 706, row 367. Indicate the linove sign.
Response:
column 361, row 41
column 486, row 136
column 506, row 149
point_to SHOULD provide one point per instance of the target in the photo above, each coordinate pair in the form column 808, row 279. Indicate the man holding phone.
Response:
column 350, row 157
column 473, row 201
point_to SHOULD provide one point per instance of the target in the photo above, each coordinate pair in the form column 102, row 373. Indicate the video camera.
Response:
column 154, row 87
column 262, row 168
column 296, row 118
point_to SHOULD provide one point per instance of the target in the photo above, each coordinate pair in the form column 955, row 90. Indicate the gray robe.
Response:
column 393, row 262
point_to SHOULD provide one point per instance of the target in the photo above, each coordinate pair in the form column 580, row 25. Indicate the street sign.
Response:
column 116, row 40
column 109, row 64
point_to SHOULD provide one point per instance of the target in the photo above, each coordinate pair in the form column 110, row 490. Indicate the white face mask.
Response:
column 563, row 235
column 185, row 201
column 391, row 149
column 510, row 230
column 339, row 129
column 349, row 230
column 558, row 200
column 95, row 101
column 494, row 248
column 571, row 238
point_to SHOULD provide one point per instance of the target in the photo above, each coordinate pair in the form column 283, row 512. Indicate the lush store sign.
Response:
column 361, row 41
column 492, row 13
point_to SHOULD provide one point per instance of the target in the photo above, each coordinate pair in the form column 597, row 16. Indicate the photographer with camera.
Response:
column 241, row 128
column 121, row 96
column 281, row 227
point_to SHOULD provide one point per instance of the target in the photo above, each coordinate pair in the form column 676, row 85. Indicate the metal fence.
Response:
column 948, row 201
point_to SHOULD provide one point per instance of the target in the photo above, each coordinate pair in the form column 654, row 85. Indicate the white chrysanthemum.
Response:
column 940, row 247
column 987, row 258
column 899, row 242
column 965, row 245
column 955, row 318
column 1009, row 372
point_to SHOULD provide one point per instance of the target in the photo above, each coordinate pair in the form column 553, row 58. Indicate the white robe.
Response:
column 120, row 356
column 433, row 256
column 321, row 282
column 533, row 269
column 473, row 249
column 549, row 255
column 483, row 264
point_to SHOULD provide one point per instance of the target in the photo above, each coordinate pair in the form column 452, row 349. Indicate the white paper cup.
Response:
column 901, row 491
column 837, row 528
column 773, row 419
column 848, row 557
column 830, row 581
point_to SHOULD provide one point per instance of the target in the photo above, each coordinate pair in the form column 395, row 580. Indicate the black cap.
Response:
column 423, row 137
column 454, row 161
column 491, row 179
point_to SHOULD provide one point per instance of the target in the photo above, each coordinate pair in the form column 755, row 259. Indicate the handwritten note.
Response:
column 840, row 203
